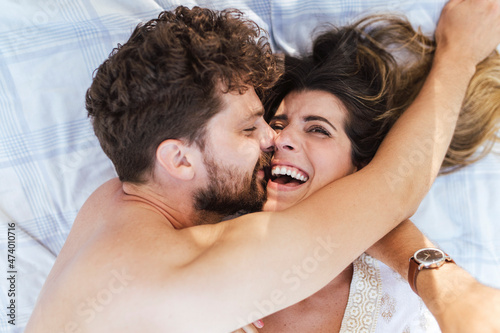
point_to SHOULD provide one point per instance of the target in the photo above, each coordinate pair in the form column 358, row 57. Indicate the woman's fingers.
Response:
column 252, row 328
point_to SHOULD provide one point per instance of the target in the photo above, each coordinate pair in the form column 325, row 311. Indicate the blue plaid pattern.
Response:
column 50, row 160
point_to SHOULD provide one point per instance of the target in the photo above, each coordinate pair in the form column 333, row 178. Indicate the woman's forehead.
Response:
column 315, row 102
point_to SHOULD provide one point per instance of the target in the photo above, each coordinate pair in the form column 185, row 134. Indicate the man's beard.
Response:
column 227, row 193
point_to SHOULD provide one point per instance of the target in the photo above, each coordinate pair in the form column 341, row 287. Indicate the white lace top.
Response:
column 380, row 300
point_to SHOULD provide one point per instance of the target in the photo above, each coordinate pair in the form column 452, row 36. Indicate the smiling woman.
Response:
column 311, row 142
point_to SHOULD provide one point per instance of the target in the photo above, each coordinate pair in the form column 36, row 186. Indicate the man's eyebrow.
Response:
column 256, row 113
column 319, row 118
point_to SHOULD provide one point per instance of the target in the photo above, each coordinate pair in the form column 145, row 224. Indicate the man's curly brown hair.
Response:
column 165, row 82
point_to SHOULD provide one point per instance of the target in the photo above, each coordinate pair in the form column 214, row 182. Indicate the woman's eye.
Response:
column 276, row 126
column 250, row 130
column 319, row 129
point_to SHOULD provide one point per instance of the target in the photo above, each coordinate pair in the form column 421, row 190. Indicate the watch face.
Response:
column 429, row 256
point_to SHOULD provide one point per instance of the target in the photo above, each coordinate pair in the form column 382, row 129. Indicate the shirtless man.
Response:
column 176, row 110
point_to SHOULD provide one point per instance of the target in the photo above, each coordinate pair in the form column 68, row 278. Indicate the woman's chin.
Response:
column 273, row 204
column 280, row 197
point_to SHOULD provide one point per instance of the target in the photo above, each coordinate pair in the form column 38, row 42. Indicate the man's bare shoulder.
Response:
column 110, row 219
column 118, row 250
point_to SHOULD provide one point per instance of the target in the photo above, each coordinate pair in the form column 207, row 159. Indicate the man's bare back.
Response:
column 114, row 240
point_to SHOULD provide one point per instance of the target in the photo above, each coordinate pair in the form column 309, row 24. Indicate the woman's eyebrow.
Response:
column 319, row 118
column 280, row 117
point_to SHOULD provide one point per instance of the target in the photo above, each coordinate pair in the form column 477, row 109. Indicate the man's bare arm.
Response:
column 458, row 301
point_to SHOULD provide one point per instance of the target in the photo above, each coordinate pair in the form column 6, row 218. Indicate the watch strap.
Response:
column 414, row 269
column 412, row 274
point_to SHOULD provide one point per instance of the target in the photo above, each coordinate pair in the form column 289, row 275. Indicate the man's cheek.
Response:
column 249, row 155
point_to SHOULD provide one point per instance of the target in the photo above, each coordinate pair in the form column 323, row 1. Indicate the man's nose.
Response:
column 267, row 140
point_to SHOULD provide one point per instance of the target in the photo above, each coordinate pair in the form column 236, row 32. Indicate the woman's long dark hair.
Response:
column 376, row 67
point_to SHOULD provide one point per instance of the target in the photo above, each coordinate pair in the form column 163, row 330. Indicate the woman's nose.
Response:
column 284, row 140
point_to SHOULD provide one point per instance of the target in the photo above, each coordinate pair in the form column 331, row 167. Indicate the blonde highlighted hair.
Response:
column 478, row 127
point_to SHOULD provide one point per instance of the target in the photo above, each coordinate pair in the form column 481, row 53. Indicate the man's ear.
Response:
column 174, row 156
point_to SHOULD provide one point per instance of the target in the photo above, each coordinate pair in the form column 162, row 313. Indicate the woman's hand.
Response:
column 459, row 18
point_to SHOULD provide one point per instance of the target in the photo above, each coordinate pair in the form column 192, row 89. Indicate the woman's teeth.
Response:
column 278, row 171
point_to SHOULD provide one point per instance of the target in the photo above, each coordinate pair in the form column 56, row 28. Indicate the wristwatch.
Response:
column 426, row 258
